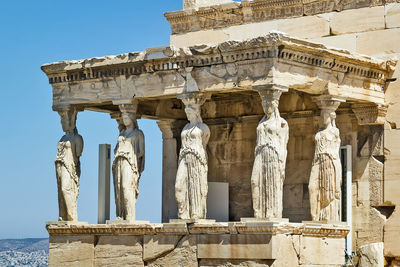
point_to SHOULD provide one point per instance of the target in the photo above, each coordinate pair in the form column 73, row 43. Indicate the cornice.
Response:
column 274, row 46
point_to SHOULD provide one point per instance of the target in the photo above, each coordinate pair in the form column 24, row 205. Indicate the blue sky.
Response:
column 36, row 32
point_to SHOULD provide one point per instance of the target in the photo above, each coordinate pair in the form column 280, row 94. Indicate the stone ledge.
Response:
column 314, row 230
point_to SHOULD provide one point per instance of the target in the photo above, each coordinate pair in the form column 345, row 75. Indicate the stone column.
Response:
column 268, row 173
column 171, row 130
column 326, row 172
column 68, row 170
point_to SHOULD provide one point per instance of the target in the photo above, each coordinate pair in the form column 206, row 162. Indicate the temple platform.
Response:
column 197, row 244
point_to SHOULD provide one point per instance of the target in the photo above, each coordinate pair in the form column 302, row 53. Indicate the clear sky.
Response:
column 36, row 32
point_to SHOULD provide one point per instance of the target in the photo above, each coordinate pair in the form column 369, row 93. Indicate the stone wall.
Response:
column 233, row 244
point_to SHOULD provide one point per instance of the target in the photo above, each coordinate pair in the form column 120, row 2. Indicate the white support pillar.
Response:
column 346, row 157
column 103, row 211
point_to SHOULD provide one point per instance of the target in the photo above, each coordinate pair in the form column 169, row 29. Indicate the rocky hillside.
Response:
column 24, row 252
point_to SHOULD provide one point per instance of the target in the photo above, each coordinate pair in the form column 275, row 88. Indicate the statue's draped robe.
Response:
column 269, row 167
column 191, row 182
column 326, row 175
column 67, row 172
column 126, row 172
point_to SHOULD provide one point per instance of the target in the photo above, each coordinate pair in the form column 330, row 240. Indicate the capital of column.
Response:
column 270, row 92
column 194, row 98
column 68, row 115
column 127, row 105
column 166, row 128
column 328, row 102
column 171, row 128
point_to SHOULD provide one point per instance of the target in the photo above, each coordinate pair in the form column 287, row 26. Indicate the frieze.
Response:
column 219, row 16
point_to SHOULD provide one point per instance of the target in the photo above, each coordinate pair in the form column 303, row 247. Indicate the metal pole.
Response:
column 103, row 210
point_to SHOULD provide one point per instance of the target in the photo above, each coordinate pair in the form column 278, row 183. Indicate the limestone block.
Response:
column 392, row 97
column 371, row 255
column 119, row 251
column 200, row 37
column 358, row 20
column 344, row 41
column 380, row 42
column 71, row 251
column 156, row 245
column 305, row 27
column 392, row 15
column 251, row 30
column 391, row 233
column 183, row 255
column 321, row 251
column 235, row 247
column 287, row 250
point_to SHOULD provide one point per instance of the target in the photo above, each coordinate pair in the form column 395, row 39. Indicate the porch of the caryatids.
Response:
column 68, row 170
column 268, row 173
column 128, row 164
column 326, row 172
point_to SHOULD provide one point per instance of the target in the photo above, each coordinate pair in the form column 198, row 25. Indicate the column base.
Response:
column 277, row 220
column 126, row 222
column 191, row 221
column 324, row 222
column 66, row 223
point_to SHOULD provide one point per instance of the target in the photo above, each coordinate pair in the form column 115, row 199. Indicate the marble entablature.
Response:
column 232, row 66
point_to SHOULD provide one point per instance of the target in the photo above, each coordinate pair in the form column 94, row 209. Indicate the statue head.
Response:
column 270, row 101
column 193, row 113
column 328, row 117
column 193, row 102
column 128, row 115
column 328, row 105
column 68, row 120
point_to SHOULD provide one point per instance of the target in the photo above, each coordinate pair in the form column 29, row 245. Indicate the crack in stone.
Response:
column 178, row 243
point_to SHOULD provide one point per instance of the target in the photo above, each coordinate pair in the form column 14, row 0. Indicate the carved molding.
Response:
column 272, row 46
column 316, row 230
column 367, row 114
column 220, row 16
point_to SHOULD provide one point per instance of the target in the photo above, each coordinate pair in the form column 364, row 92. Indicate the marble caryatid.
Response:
column 325, row 178
column 191, row 186
column 270, row 159
column 68, row 169
column 128, row 163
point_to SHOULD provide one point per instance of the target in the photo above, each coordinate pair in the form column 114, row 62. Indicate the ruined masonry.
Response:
column 295, row 105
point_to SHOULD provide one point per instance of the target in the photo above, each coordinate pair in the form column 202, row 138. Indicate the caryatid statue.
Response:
column 325, row 178
column 270, row 158
column 68, row 169
column 191, row 186
column 128, row 163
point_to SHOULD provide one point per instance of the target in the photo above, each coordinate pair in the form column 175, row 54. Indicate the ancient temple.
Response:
column 290, row 103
